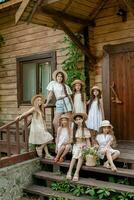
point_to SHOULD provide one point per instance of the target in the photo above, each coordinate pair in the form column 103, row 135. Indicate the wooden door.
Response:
column 119, row 90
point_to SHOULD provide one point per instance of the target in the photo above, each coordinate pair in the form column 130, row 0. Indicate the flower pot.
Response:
column 90, row 161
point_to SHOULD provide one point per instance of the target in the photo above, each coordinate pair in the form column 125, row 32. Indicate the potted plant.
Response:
column 90, row 155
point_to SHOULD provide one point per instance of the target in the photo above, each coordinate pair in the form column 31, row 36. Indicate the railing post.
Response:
column 17, row 137
column 26, row 134
column 8, row 142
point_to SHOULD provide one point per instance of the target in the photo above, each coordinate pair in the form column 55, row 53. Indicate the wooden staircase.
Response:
column 89, row 177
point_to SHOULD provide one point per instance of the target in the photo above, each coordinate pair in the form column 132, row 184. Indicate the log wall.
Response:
column 21, row 40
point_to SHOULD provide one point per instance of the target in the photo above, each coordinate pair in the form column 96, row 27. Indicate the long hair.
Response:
column 68, row 127
column 93, row 97
column 63, row 82
column 81, row 92
column 75, row 127
column 39, row 109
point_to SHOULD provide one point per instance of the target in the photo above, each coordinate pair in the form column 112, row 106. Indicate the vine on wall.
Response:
column 73, row 60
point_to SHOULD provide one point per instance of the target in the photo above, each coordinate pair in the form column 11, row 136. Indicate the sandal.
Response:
column 68, row 176
column 55, row 159
column 39, row 151
column 49, row 157
column 75, row 178
column 113, row 168
column 106, row 165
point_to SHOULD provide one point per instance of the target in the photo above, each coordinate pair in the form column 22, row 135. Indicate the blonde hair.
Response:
column 39, row 109
column 61, row 126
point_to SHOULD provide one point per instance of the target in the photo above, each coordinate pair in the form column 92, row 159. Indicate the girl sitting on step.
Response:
column 38, row 131
column 105, row 139
column 81, row 138
column 64, row 138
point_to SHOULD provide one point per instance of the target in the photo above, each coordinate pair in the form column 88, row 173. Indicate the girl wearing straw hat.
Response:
column 96, row 111
column 63, row 139
column 79, row 98
column 62, row 93
column 105, row 139
column 81, row 139
column 38, row 131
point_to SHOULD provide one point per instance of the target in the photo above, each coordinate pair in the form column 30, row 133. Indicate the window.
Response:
column 34, row 74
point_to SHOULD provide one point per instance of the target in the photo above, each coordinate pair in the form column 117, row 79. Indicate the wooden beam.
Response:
column 65, row 16
column 9, row 3
column 34, row 10
column 21, row 10
column 67, row 5
column 84, row 49
column 96, row 10
column 130, row 5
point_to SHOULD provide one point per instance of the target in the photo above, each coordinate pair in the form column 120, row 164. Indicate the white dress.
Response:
column 94, row 116
column 63, row 137
column 78, row 147
column 38, row 131
column 103, row 139
column 79, row 106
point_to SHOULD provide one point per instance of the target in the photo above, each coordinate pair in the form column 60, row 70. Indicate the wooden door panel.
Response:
column 122, row 74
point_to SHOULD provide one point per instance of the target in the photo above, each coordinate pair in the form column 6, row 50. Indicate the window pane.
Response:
column 44, row 76
column 29, row 81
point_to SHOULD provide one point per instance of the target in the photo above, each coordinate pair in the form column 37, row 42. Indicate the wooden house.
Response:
column 33, row 32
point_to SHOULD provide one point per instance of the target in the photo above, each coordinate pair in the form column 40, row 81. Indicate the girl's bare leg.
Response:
column 69, row 173
column 66, row 150
column 56, row 121
column 59, row 153
column 79, row 164
column 114, row 156
column 47, row 154
column 110, row 160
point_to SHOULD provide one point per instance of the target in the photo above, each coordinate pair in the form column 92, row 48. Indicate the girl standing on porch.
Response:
column 96, row 111
column 79, row 98
column 63, row 139
column 81, row 138
column 62, row 93
column 38, row 131
column 105, row 139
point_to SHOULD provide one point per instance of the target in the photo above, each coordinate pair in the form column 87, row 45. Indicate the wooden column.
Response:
column 86, row 61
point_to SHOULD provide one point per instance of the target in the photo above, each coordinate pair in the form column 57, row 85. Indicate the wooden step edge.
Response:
column 100, row 169
column 47, row 192
column 85, row 182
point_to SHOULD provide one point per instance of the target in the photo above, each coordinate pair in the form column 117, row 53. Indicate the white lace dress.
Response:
column 94, row 116
column 38, row 131
column 79, row 106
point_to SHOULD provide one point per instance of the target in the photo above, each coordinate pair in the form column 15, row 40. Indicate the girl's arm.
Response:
column 108, row 144
column 102, row 109
column 26, row 113
column 57, row 139
column 49, row 97
column 85, row 104
column 88, row 142
column 71, row 136
column 88, row 102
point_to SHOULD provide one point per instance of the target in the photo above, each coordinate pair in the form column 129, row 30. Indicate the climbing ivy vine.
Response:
column 74, row 57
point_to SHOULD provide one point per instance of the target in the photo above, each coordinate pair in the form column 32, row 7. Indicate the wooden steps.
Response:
column 51, row 176
column 100, row 169
column 47, row 192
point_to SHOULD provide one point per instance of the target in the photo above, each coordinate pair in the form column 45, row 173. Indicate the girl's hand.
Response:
column 45, row 105
column 18, row 118
column 104, row 150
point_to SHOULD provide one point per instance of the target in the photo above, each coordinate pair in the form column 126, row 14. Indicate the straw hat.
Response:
column 36, row 96
column 77, row 81
column 83, row 115
column 95, row 87
column 105, row 123
column 64, row 116
column 58, row 71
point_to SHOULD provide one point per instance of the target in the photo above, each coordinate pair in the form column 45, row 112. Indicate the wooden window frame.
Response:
column 37, row 58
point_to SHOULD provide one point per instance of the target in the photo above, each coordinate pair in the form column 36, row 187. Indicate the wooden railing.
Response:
column 14, row 136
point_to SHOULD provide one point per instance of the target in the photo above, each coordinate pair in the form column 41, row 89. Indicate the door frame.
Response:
column 108, row 50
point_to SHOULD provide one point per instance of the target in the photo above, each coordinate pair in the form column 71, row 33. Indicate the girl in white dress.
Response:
column 62, row 94
column 105, row 140
column 96, row 111
column 79, row 98
column 81, row 138
column 38, row 131
column 63, row 139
